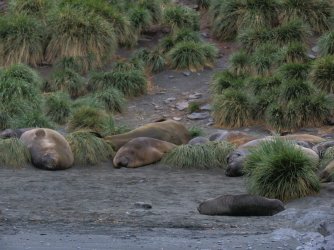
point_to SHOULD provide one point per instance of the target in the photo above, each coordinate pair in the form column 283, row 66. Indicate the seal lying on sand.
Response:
column 49, row 150
column 9, row 133
column 169, row 131
column 235, row 137
column 141, row 151
column 240, row 205
column 235, row 160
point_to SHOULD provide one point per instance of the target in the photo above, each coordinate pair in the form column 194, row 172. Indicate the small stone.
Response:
column 143, row 205
column 170, row 99
column 198, row 116
column 195, row 96
column 157, row 107
column 206, row 107
column 205, row 34
column 177, row 118
column 186, row 73
column 311, row 56
column 315, row 49
column 171, row 77
column 182, row 105
column 209, row 124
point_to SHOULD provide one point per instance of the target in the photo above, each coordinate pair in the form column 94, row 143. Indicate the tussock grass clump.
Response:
column 240, row 63
column 195, row 131
column 292, row 90
column 253, row 38
column 326, row 44
column 225, row 79
column 88, row 101
column 178, row 17
column 192, row 56
column 38, row 8
column 293, row 71
column 13, row 153
column 322, row 73
column 99, row 81
column 112, row 98
column 327, row 158
column 58, row 107
column 201, row 156
column 87, row 36
column 155, row 61
column 89, row 149
column 293, row 31
column 203, row 4
column 140, row 18
column 278, row 169
column 31, row 118
column 293, row 53
column 184, row 35
column 131, row 83
column 70, row 63
column 86, row 117
column 22, row 72
column 232, row 109
column 154, row 7
column 317, row 14
column 21, row 40
column 69, row 81
column 263, row 59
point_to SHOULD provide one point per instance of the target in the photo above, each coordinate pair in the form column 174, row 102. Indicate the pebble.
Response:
column 186, row 73
column 143, row 205
column 182, row 105
column 195, row 96
column 198, row 116
column 177, row 118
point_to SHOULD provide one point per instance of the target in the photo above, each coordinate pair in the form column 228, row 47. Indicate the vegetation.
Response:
column 202, row 156
column 322, row 73
column 232, row 109
column 37, row 8
column 239, row 63
column 278, row 169
column 177, row 17
column 293, row 71
column 293, row 53
column 87, row 36
column 13, row 153
column 86, row 117
column 326, row 44
column 225, row 79
column 112, row 98
column 131, row 83
column 88, row 149
column 58, row 107
column 21, row 40
column 30, row 118
column 195, row 131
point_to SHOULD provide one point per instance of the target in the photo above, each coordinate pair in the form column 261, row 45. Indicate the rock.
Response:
column 198, row 116
column 143, row 205
column 171, row 77
column 186, row 73
column 209, row 124
column 206, row 107
column 315, row 49
column 205, row 34
column 169, row 100
column 195, row 96
column 177, row 118
column 182, row 105
column 311, row 56
column 158, row 108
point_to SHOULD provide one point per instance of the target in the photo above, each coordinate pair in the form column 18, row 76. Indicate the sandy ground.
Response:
column 94, row 208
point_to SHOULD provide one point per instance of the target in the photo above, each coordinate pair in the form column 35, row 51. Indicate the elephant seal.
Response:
column 9, row 133
column 198, row 140
column 169, row 131
column 235, row 137
column 327, row 175
column 236, row 159
column 141, row 151
column 322, row 147
column 49, row 150
column 241, row 205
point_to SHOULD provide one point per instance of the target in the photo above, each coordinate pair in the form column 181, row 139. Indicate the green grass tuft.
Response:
column 89, row 149
column 240, row 63
column 201, row 156
column 112, row 98
column 322, row 73
column 232, row 109
column 13, row 153
column 31, row 118
column 195, row 131
column 326, row 44
column 58, row 107
column 178, row 17
column 277, row 169
column 293, row 71
column 225, row 79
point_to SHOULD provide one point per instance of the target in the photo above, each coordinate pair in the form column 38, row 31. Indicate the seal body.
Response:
column 49, row 150
column 327, row 175
column 198, row 140
column 241, row 205
column 169, row 131
column 9, row 133
column 235, row 137
column 141, row 151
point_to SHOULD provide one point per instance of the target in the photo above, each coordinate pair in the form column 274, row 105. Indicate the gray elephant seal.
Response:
column 169, row 131
column 49, row 150
column 322, row 147
column 241, row 205
column 327, row 175
column 198, row 140
column 141, row 151
column 9, row 133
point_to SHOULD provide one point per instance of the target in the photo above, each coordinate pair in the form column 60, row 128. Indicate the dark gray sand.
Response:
column 94, row 208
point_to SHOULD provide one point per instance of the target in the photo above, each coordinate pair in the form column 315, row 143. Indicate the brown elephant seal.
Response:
column 49, row 149
column 241, row 205
column 198, row 140
column 9, row 133
column 235, row 137
column 322, row 147
column 236, row 159
column 141, row 151
column 169, row 131
column 327, row 175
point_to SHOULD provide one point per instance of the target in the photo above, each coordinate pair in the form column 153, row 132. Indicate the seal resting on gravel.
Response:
column 169, row 131
column 49, row 149
column 241, row 205
column 141, row 151
column 9, row 133
column 327, row 174
column 236, row 159
column 235, row 137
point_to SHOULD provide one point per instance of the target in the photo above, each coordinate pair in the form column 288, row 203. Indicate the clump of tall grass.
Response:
column 322, row 73
column 58, row 107
column 326, row 44
column 278, row 169
column 202, row 156
column 13, row 153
